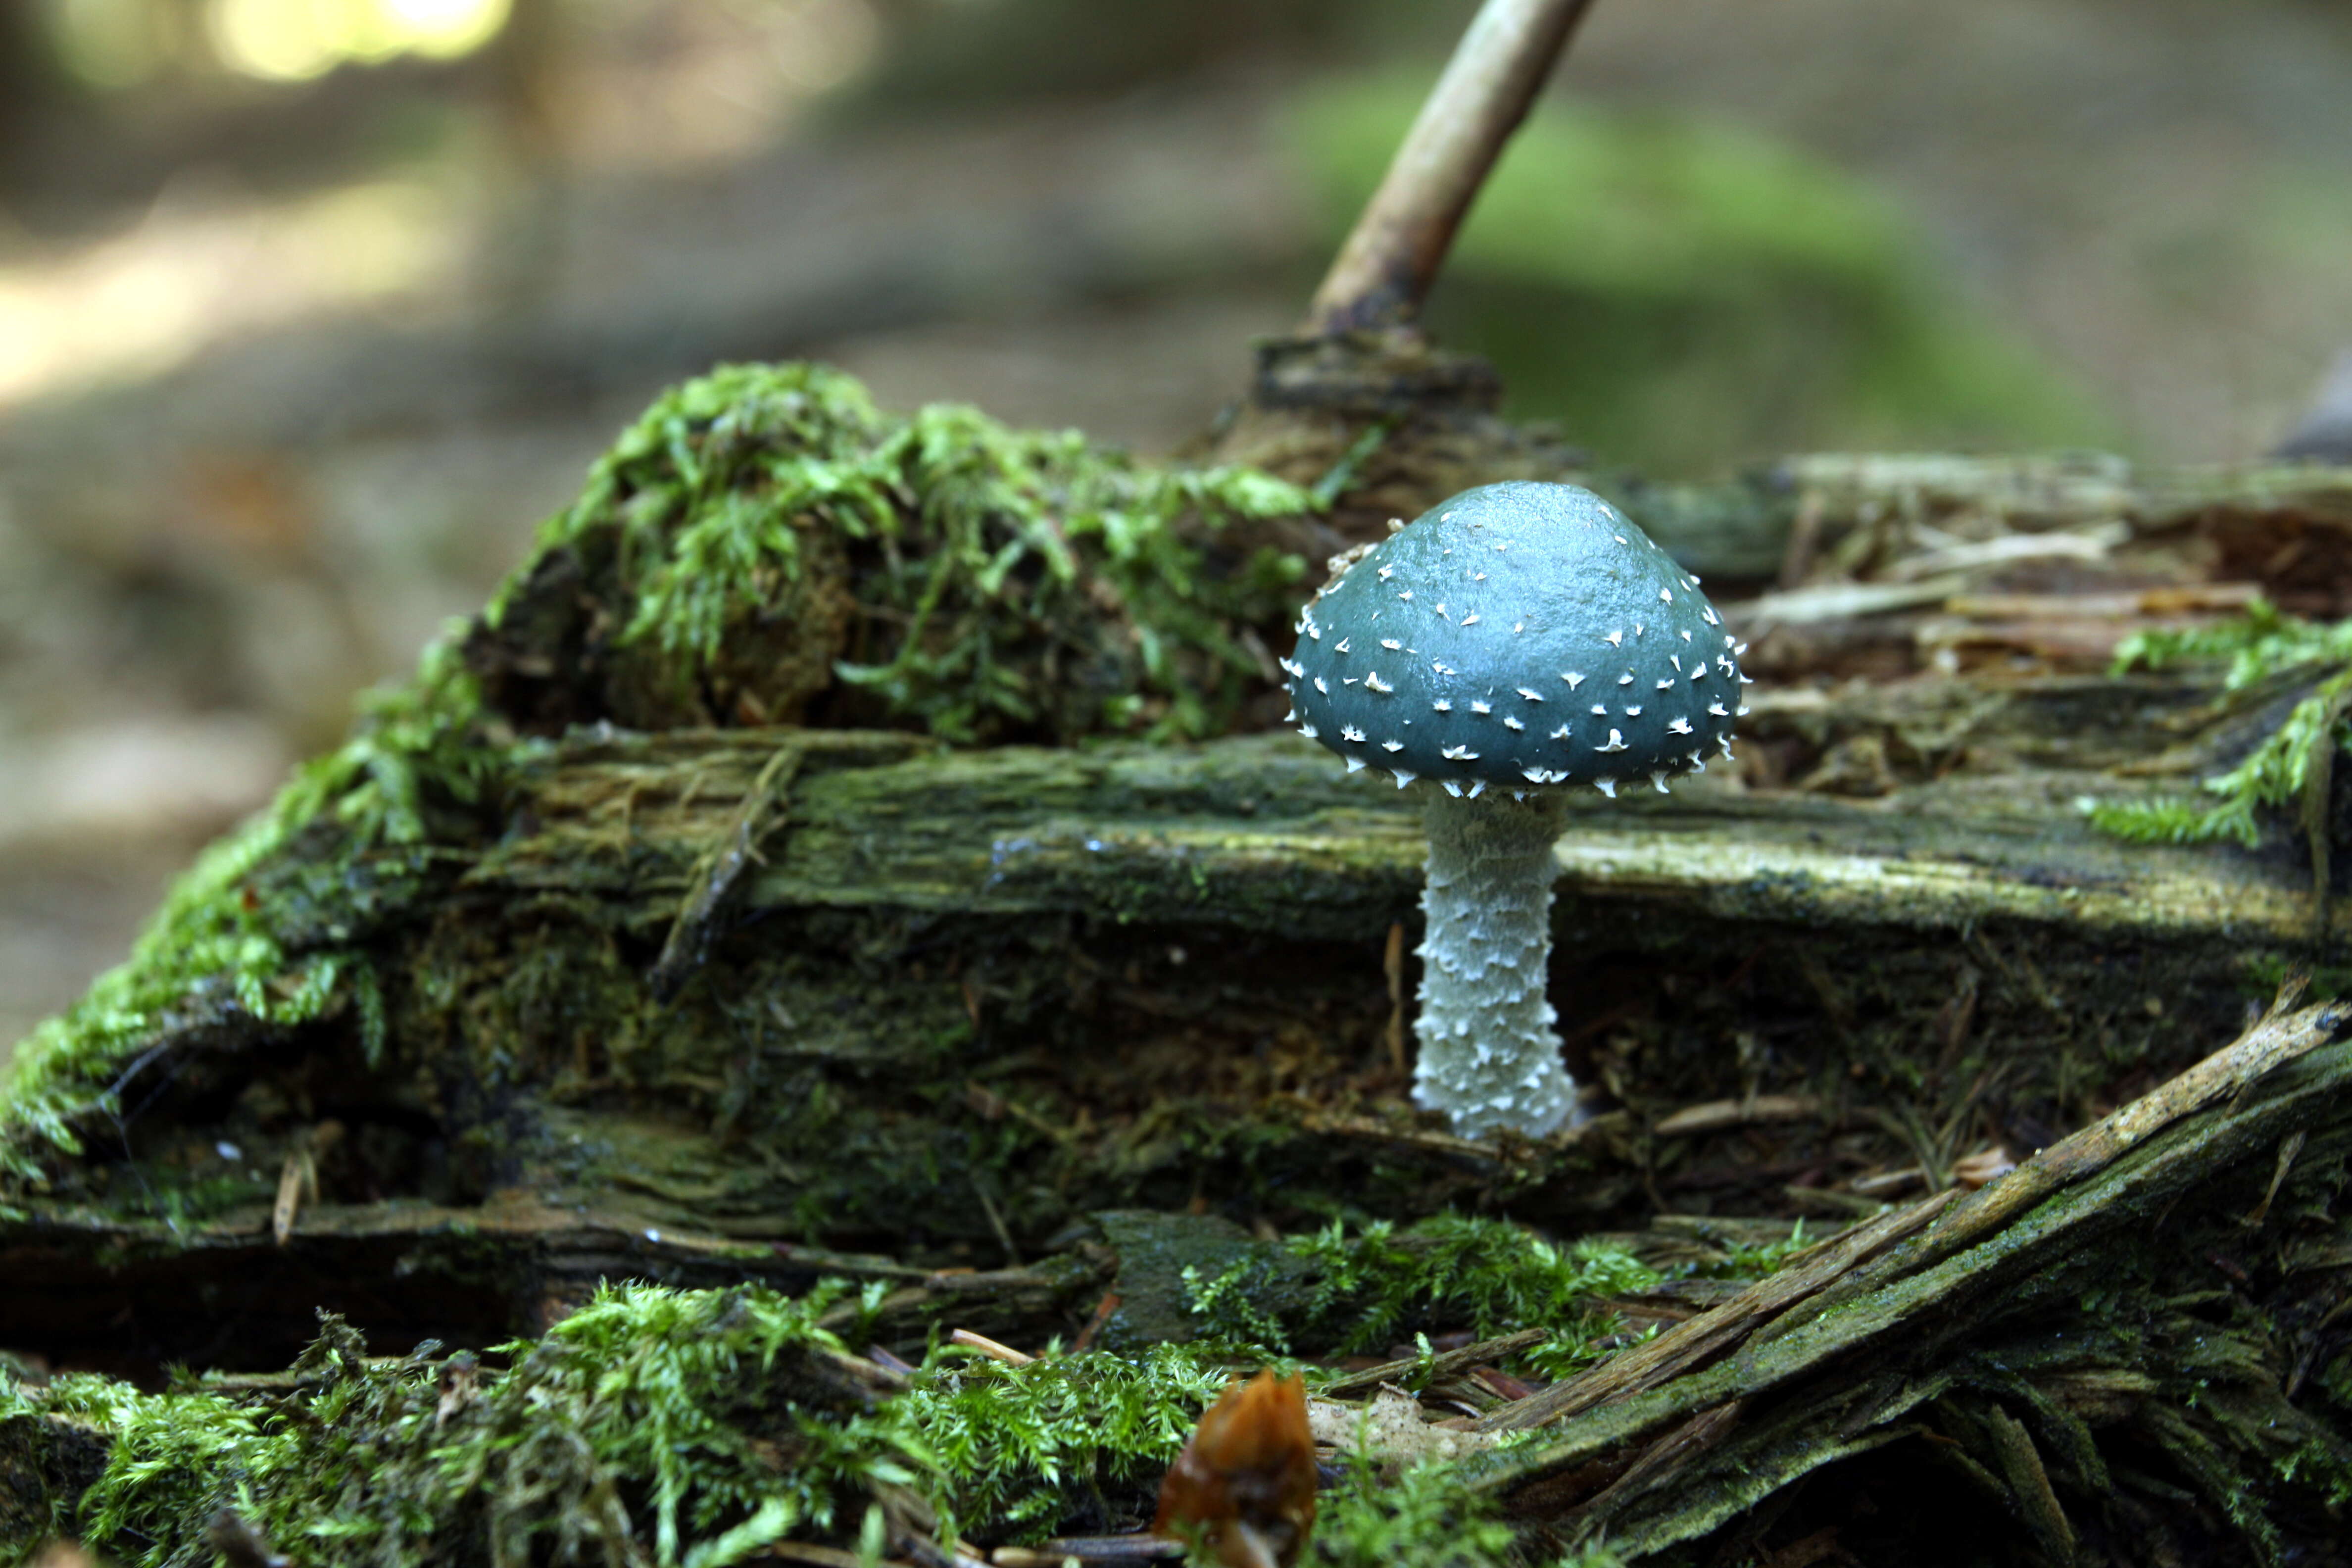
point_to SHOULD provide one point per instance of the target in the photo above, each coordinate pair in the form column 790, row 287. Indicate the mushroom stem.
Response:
column 1488, row 1056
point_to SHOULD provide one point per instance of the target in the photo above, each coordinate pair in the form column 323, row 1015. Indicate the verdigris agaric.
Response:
column 1507, row 645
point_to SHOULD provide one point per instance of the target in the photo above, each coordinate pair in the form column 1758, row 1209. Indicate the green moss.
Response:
column 706, row 486
column 2322, row 1463
column 2260, row 645
column 1330, row 1293
column 1427, row 1515
column 639, row 1418
column 1036, row 1447
column 693, row 1428
column 681, row 1428
column 1755, row 1260
column 1423, row 1516
column 983, row 552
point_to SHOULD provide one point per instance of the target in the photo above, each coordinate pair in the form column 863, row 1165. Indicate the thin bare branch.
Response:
column 1384, row 271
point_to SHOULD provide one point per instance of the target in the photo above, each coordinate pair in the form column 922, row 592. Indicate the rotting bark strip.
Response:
column 2280, row 1037
column 1912, row 1313
column 1850, row 1265
column 1210, row 834
column 1692, row 1343
column 721, row 873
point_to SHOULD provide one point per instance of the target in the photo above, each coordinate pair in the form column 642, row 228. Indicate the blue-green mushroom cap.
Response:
column 1519, row 635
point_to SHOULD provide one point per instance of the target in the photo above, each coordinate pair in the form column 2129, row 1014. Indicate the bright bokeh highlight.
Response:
column 444, row 29
column 296, row 41
column 153, row 295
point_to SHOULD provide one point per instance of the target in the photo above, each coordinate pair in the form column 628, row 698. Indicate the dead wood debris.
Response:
column 1703, row 1337
column 990, row 1348
column 1437, row 1368
column 1895, row 566
column 1665, row 1442
column 721, row 872
column 298, row 1181
column 1718, row 1115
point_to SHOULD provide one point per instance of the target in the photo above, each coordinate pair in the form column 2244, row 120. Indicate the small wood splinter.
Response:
column 1244, row 1484
column 990, row 1348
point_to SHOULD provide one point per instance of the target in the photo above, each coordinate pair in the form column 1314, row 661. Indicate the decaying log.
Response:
column 2126, row 1349
column 1051, row 982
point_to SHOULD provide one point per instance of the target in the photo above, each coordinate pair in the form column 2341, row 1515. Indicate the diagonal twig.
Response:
column 1439, row 1367
column 1384, row 269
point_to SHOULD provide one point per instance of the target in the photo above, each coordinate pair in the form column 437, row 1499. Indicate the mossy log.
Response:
column 581, row 964
column 754, row 1002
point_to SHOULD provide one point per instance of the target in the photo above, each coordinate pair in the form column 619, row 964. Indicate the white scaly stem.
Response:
column 1488, row 1056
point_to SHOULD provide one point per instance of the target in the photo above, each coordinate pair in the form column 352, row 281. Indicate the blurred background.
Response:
column 310, row 310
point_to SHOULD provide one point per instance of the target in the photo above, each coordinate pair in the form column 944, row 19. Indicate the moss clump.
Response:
column 764, row 536
column 673, row 1427
column 1330, row 1293
column 689, row 1427
column 700, row 1425
column 1750, row 1260
column 1423, row 1516
column 1066, row 1442
column 2294, row 758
